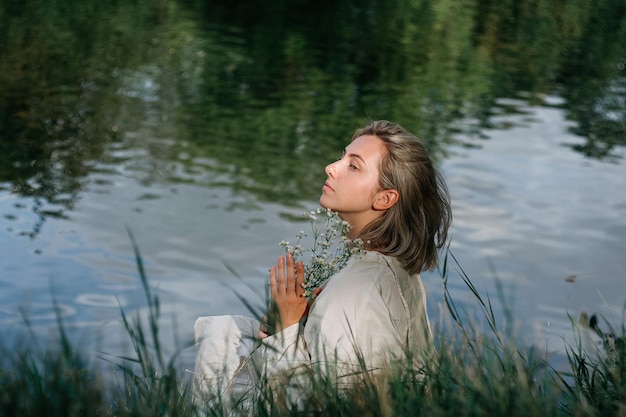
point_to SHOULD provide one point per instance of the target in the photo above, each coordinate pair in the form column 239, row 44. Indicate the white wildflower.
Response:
column 330, row 251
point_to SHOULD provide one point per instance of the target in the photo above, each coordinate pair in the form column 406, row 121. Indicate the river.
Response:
column 206, row 143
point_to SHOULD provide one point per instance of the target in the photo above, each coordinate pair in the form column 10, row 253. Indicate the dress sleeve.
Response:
column 282, row 352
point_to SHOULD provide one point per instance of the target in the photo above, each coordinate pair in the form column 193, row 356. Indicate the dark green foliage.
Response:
column 598, row 385
column 55, row 383
column 286, row 81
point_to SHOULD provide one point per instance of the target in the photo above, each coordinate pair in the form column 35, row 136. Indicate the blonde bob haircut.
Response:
column 414, row 228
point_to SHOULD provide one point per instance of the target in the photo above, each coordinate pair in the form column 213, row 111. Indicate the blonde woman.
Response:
column 386, row 186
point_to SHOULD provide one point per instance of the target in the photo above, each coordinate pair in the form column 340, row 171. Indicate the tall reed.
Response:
column 476, row 372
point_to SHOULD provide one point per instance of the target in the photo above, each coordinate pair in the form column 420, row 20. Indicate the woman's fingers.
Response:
column 288, row 302
column 290, row 271
column 280, row 280
column 263, row 327
column 287, row 277
column 299, row 280
column 273, row 289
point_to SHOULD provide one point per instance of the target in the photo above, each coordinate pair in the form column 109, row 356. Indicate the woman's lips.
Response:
column 327, row 187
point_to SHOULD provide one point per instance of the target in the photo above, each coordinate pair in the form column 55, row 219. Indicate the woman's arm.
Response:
column 282, row 345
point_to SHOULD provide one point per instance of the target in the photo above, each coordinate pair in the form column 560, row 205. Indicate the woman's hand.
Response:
column 265, row 322
column 288, row 302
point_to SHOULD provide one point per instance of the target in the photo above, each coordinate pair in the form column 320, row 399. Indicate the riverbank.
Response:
column 478, row 372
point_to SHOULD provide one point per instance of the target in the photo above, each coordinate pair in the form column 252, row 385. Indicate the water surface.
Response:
column 205, row 130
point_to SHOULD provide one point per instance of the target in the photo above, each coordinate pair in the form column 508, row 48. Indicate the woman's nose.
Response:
column 331, row 169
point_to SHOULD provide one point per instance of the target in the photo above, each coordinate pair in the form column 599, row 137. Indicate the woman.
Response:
column 387, row 188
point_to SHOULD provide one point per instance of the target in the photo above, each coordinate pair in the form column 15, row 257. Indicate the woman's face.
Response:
column 352, row 185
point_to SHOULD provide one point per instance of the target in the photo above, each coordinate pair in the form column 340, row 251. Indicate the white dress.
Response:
column 369, row 312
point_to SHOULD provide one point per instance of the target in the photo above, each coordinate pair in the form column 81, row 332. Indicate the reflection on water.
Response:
column 529, row 220
column 544, row 222
column 205, row 130
column 601, row 119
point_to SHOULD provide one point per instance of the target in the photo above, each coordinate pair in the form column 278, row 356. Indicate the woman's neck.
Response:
column 359, row 223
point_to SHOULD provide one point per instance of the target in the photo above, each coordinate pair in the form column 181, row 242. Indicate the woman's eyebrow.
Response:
column 355, row 155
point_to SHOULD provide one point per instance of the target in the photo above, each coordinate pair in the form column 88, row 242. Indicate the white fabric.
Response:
column 224, row 346
column 372, row 309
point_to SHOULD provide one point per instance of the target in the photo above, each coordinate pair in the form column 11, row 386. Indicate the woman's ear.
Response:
column 385, row 199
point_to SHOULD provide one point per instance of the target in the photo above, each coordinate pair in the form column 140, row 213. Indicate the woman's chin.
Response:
column 325, row 204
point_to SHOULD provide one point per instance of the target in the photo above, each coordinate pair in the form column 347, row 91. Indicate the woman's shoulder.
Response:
column 369, row 269
column 372, row 278
column 377, row 262
column 359, row 281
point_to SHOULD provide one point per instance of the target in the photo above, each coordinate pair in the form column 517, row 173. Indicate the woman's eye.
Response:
column 354, row 167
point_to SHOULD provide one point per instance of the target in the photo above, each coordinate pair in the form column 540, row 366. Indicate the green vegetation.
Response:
column 477, row 373
column 268, row 92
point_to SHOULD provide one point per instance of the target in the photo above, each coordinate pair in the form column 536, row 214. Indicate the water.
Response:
column 543, row 222
column 192, row 130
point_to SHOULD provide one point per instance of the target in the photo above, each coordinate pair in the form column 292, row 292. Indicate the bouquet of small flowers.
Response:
column 330, row 250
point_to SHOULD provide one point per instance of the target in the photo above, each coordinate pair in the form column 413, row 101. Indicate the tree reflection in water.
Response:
column 251, row 95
